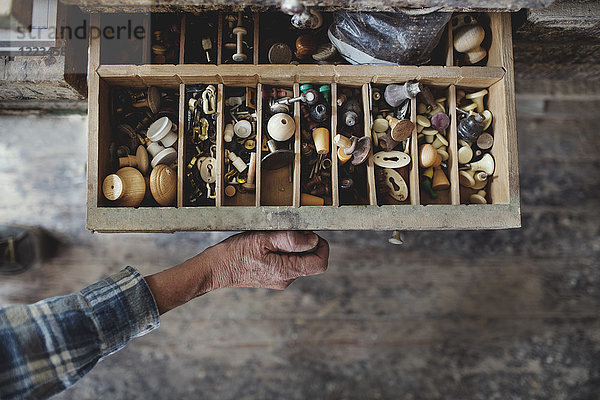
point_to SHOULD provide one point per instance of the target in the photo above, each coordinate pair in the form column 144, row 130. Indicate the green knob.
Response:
column 427, row 185
column 305, row 87
column 325, row 90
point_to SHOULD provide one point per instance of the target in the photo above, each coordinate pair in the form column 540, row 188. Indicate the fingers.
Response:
column 295, row 265
column 314, row 263
column 290, row 241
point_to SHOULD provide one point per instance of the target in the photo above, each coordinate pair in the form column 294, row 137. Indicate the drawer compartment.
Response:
column 353, row 197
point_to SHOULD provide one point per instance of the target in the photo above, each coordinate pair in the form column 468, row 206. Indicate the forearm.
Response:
column 178, row 285
column 47, row 346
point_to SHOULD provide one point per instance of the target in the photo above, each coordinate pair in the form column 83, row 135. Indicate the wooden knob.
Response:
column 401, row 129
column 485, row 141
column 321, row 139
column 440, row 181
column 465, row 154
column 163, row 185
column 230, row 191
column 468, row 40
column 139, row 161
column 478, row 198
column 477, row 98
column 305, row 46
column 380, row 125
column 151, row 101
column 126, row 187
column 428, row 155
column 342, row 156
column 438, row 159
column 310, row 200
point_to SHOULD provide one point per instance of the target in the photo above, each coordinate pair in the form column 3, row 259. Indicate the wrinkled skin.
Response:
column 271, row 260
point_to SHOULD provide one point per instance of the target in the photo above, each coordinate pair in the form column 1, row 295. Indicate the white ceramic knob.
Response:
column 166, row 157
column 243, row 128
column 154, row 148
column 281, row 127
column 161, row 130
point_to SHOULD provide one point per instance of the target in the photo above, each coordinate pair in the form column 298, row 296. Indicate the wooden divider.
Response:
column 504, row 149
column 259, row 133
column 256, row 17
column 219, row 187
column 371, row 186
column 414, row 188
column 182, row 38
column 181, row 146
column 220, row 38
column 335, row 192
column 453, row 148
column 450, row 48
column 297, row 150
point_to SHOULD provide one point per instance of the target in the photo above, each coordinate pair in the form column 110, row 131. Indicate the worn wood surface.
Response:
column 380, row 5
column 452, row 315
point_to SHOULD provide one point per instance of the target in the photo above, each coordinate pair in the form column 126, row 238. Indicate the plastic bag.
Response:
column 387, row 38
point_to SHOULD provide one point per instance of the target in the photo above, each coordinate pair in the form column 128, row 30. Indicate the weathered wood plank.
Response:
column 363, row 5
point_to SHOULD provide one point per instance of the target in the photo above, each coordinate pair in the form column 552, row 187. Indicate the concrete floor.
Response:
column 452, row 315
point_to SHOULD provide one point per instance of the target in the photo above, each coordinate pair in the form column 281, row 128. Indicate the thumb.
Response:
column 291, row 241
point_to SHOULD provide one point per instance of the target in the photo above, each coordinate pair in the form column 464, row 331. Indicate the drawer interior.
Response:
column 281, row 197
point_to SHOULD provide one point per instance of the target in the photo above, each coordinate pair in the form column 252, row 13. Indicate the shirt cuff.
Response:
column 122, row 308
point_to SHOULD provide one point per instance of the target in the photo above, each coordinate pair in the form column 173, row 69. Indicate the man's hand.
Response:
column 271, row 260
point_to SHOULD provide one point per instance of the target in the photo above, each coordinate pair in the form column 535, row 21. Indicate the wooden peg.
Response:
column 249, row 185
column 126, row 187
column 440, row 181
column 139, row 161
column 477, row 98
column 163, row 185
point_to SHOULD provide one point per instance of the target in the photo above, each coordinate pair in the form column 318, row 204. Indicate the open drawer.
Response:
column 279, row 198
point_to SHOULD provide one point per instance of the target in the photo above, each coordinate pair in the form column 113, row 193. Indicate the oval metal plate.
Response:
column 208, row 170
column 391, row 159
column 397, row 185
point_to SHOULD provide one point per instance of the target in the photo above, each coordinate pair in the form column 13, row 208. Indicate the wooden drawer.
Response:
column 418, row 212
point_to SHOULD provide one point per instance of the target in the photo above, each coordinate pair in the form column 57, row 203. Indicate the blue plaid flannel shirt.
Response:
column 47, row 346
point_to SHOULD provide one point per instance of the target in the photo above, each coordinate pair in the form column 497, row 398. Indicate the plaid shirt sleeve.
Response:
column 47, row 346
